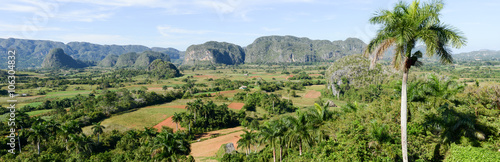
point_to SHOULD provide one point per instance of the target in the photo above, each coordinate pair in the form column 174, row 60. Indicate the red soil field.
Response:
column 168, row 123
column 312, row 94
column 236, row 105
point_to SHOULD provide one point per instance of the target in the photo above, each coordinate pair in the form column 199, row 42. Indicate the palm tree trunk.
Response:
column 300, row 149
column 38, row 146
column 98, row 138
column 176, row 126
column 373, row 62
column 274, row 154
column 194, row 122
column 281, row 153
column 404, row 105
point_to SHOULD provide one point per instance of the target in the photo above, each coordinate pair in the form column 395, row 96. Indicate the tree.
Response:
column 38, row 134
column 168, row 145
column 300, row 130
column 67, row 129
column 189, row 118
column 404, row 27
column 177, row 118
column 98, row 129
column 273, row 133
column 246, row 140
column 194, row 107
column 80, row 143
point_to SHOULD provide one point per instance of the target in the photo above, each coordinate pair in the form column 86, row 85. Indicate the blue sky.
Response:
column 180, row 23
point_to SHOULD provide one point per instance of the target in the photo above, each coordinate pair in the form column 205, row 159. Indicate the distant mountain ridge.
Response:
column 485, row 55
column 32, row 52
column 279, row 49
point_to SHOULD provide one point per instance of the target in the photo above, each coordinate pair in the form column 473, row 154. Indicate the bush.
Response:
column 469, row 153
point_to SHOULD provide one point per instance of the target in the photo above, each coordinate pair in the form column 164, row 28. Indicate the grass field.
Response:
column 38, row 112
column 137, row 119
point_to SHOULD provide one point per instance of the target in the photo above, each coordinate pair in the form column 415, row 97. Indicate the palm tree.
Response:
column 300, row 130
column 189, row 118
column 322, row 114
column 80, row 143
column 38, row 134
column 65, row 131
column 404, row 27
column 168, row 145
column 272, row 133
column 98, row 129
column 246, row 141
column 194, row 107
column 177, row 118
column 442, row 89
column 267, row 134
column 147, row 135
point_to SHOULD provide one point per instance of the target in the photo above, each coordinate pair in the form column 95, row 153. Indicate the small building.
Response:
column 243, row 87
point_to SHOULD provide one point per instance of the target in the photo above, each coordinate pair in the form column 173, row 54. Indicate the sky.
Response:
column 181, row 23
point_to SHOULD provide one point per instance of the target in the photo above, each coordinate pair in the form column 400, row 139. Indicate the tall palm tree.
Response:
column 273, row 133
column 268, row 135
column 98, row 129
column 65, row 131
column 147, row 135
column 80, row 143
column 38, row 134
column 177, row 118
column 404, row 27
column 189, row 118
column 194, row 107
column 168, row 145
column 246, row 141
column 300, row 130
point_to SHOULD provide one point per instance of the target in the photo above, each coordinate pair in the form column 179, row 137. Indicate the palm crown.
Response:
column 409, row 24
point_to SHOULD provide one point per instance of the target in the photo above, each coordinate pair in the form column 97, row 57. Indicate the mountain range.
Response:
column 266, row 49
column 31, row 53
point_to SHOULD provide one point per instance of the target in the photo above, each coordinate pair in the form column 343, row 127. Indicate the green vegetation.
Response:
column 292, row 105
column 402, row 28
column 58, row 59
column 459, row 153
column 214, row 53
column 160, row 69
column 286, row 49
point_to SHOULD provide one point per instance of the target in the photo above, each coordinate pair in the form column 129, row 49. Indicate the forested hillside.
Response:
column 279, row 49
column 32, row 52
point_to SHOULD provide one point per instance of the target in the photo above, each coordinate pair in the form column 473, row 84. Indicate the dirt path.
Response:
column 312, row 94
column 172, row 106
column 205, row 76
column 209, row 147
column 236, row 105
column 168, row 123
column 217, row 132
column 225, row 92
column 155, row 88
